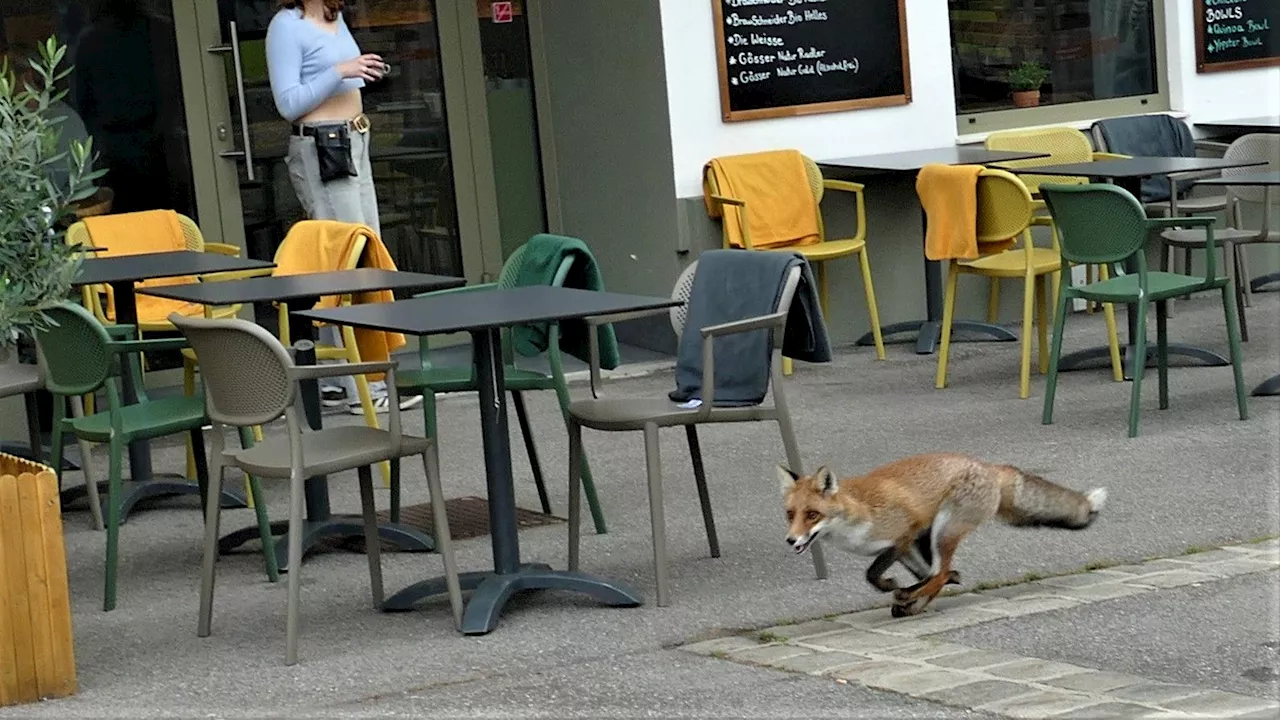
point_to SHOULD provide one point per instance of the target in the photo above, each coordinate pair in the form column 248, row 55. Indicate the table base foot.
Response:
column 134, row 492
column 1081, row 359
column 929, row 333
column 1257, row 284
column 1269, row 387
column 404, row 537
column 492, row 591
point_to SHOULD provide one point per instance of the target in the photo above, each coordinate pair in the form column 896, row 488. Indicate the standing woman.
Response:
column 316, row 72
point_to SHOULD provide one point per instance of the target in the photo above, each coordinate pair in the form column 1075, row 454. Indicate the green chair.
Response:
column 80, row 357
column 429, row 380
column 1104, row 224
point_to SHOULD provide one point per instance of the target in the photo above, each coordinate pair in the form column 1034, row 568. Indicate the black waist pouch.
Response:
column 333, row 150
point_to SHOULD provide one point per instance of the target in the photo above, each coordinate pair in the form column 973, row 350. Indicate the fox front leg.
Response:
column 883, row 561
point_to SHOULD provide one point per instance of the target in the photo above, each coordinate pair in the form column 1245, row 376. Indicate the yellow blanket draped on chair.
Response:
column 326, row 245
column 780, row 209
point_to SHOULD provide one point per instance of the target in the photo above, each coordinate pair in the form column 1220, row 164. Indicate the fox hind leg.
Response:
column 913, row 600
column 919, row 556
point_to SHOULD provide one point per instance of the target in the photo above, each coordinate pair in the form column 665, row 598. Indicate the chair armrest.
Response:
column 598, row 320
column 123, row 332
column 315, row 372
column 843, row 186
column 1183, row 221
column 775, row 320
column 1109, row 156
column 1214, row 145
column 133, row 346
column 1195, row 174
column 222, row 249
column 460, row 289
column 725, row 200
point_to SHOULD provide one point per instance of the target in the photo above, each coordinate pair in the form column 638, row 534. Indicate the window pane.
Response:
column 1089, row 50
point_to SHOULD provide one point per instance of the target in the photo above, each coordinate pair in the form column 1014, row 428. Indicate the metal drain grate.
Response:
column 468, row 518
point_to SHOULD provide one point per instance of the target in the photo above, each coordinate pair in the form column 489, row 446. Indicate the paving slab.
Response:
column 1223, row 635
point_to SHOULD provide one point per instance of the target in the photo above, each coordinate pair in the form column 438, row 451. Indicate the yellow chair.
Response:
column 1064, row 145
column 92, row 298
column 349, row 350
column 818, row 254
column 1005, row 209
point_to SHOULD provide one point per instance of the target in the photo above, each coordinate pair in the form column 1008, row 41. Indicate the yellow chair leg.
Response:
column 189, row 389
column 362, row 391
column 948, row 313
column 1042, row 321
column 1113, row 339
column 993, row 301
column 1028, row 301
column 872, row 310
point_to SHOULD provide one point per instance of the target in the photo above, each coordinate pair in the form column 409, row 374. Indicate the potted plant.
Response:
column 36, row 264
column 1025, row 81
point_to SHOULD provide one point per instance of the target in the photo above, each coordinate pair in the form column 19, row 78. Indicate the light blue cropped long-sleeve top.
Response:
column 301, row 62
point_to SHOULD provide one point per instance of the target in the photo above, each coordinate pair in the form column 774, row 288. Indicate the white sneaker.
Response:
column 382, row 404
column 333, row 396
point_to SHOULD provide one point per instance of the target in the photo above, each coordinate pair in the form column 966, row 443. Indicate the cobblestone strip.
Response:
column 873, row 649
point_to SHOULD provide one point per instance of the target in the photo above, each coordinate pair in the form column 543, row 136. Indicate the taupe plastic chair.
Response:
column 1254, row 147
column 250, row 379
column 650, row 414
column 25, row 379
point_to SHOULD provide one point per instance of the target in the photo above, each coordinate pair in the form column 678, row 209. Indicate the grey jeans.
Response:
column 347, row 200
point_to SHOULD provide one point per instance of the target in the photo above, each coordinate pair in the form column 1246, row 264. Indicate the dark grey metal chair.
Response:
column 25, row 379
column 250, row 379
column 650, row 414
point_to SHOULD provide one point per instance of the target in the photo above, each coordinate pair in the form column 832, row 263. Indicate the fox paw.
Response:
column 953, row 578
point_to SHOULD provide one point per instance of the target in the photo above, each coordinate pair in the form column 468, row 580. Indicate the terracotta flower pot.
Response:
column 1026, row 98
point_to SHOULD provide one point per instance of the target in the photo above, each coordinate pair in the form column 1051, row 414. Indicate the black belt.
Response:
column 359, row 123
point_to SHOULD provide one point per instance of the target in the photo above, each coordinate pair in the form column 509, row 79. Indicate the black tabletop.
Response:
column 913, row 160
column 299, row 287
column 1265, row 123
column 148, row 266
column 485, row 310
column 1271, row 177
column 1136, row 167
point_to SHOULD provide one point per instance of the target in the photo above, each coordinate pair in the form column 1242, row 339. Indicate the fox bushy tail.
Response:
column 1028, row 500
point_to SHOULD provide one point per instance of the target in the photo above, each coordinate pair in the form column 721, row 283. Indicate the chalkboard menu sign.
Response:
column 1237, row 34
column 780, row 58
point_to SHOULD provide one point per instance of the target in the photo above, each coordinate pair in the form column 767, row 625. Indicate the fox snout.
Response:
column 800, row 543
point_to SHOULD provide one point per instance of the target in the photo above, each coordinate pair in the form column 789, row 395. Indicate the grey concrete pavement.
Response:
column 1196, row 476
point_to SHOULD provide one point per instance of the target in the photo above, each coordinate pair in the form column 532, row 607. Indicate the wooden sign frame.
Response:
column 728, row 114
column 1204, row 66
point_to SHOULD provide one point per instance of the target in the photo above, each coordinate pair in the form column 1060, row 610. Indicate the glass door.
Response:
column 412, row 146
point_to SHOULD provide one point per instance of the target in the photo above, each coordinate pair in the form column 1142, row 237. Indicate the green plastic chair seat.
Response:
column 459, row 379
column 154, row 419
column 1160, row 286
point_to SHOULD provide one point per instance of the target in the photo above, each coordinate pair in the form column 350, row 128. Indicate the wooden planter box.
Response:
column 37, row 660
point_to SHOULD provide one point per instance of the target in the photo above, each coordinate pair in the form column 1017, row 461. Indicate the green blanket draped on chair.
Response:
column 543, row 255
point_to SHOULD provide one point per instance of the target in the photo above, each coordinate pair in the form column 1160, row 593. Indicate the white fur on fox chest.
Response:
column 853, row 537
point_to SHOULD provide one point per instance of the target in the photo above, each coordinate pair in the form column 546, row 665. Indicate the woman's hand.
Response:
column 367, row 67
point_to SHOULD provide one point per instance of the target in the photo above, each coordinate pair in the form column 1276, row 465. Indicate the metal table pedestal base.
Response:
column 492, row 591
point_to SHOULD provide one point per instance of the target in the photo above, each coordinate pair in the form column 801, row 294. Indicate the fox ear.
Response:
column 786, row 479
column 826, row 480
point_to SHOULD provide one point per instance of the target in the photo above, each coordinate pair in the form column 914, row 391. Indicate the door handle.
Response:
column 234, row 49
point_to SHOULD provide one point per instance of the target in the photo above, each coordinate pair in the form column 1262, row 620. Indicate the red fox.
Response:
column 917, row 510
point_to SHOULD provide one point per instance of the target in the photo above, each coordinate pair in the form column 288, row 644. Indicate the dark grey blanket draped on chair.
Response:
column 732, row 285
